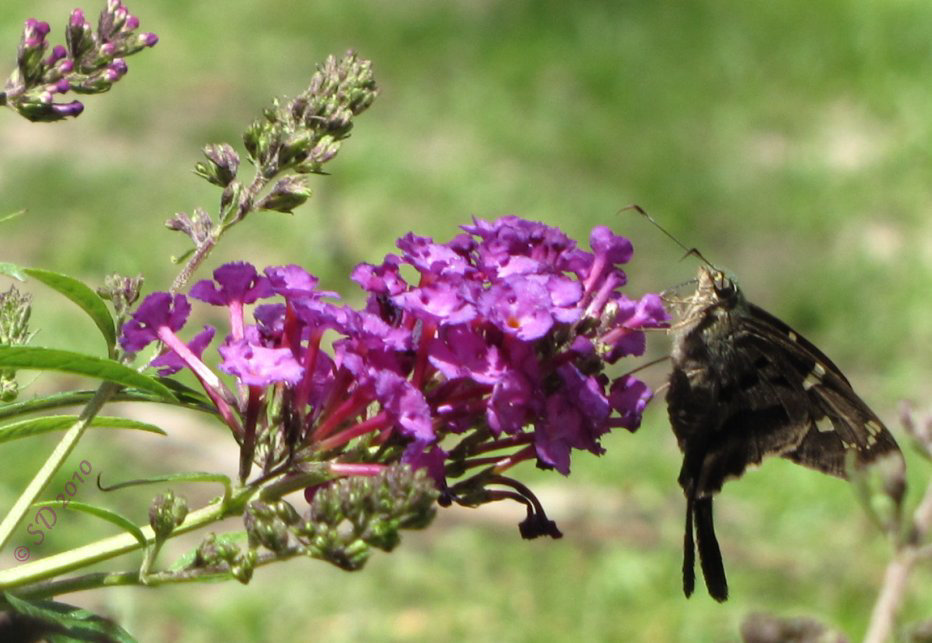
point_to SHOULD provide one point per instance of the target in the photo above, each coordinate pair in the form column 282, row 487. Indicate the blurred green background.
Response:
column 788, row 141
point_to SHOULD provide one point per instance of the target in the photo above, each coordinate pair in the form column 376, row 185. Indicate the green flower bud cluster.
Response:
column 268, row 524
column 305, row 133
column 220, row 552
column 349, row 516
column 15, row 309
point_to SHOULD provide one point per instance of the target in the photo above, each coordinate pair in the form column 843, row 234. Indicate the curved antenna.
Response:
column 689, row 251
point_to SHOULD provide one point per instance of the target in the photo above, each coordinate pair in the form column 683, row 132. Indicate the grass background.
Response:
column 788, row 141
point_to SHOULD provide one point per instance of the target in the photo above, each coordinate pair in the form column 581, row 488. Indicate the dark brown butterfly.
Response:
column 744, row 386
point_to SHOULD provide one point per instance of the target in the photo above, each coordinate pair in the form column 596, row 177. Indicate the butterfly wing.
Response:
column 836, row 420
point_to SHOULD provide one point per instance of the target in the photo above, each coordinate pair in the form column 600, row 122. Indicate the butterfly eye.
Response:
column 726, row 288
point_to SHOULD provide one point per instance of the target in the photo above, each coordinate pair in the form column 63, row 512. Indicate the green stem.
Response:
column 54, row 462
column 108, row 548
column 114, row 579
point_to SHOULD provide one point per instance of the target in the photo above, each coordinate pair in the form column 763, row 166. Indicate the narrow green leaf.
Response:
column 104, row 514
column 187, row 398
column 85, row 297
column 12, row 215
column 188, row 395
column 53, row 359
column 67, row 622
column 12, row 270
column 49, row 423
column 192, row 476
column 182, row 257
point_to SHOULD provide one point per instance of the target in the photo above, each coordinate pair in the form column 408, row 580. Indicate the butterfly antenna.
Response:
column 689, row 251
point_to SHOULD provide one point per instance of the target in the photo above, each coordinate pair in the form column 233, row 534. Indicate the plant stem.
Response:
column 64, row 448
column 896, row 577
column 114, row 579
column 107, row 548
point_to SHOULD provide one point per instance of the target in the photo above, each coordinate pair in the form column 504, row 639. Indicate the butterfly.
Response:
column 744, row 386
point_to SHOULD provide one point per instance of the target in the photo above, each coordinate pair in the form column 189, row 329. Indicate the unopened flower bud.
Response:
column 58, row 52
column 116, row 70
column 243, row 567
column 166, row 512
column 121, row 291
column 32, row 47
column 79, row 35
column 223, row 165
column 287, row 194
column 265, row 528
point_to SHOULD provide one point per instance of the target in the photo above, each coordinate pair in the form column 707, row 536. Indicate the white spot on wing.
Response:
column 824, row 425
column 814, row 377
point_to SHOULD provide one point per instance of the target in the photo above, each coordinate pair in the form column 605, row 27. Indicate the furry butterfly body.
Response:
column 744, row 385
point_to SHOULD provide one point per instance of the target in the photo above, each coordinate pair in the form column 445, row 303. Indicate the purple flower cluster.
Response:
column 474, row 354
column 90, row 63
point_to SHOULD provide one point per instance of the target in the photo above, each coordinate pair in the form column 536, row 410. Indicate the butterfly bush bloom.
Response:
column 467, row 358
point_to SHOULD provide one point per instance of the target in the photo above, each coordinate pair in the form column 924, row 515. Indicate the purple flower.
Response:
column 158, row 310
column 629, row 397
column 292, row 281
column 460, row 352
column 256, row 365
column 383, row 279
column 444, row 302
column 239, row 284
column 626, row 338
column 432, row 258
column 170, row 362
column 425, row 455
column 613, row 248
column 525, row 307
column 512, row 403
column 405, row 404
column 508, row 243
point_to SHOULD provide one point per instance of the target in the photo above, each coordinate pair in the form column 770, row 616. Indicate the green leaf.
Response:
column 192, row 476
column 12, row 215
column 182, row 257
column 12, row 270
column 187, row 398
column 187, row 395
column 49, row 423
column 104, row 514
column 53, row 359
column 67, row 622
column 85, row 297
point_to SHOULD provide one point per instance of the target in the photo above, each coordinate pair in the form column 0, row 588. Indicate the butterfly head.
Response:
column 717, row 294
